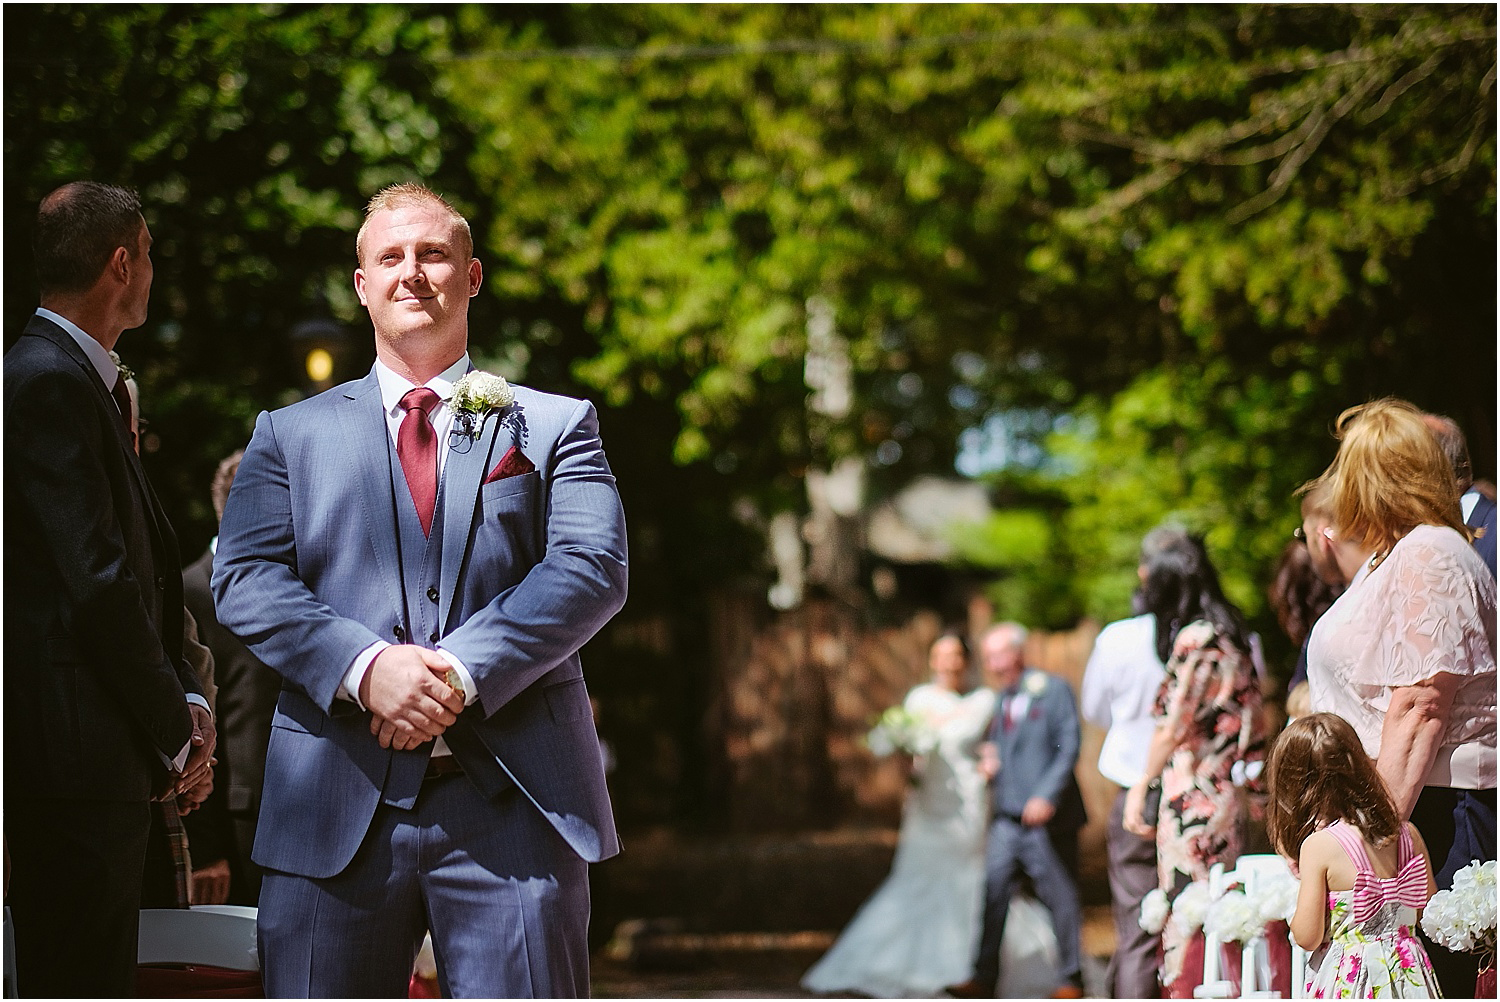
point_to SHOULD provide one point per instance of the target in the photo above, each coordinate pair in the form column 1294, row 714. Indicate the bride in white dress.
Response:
column 917, row 932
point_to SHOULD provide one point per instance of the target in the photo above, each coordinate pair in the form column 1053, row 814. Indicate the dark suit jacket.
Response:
column 1483, row 517
column 247, row 697
column 94, row 673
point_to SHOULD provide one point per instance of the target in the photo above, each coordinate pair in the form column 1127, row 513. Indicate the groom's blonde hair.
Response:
column 408, row 193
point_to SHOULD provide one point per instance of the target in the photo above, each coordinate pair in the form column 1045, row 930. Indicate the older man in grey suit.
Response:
column 420, row 554
column 1032, row 748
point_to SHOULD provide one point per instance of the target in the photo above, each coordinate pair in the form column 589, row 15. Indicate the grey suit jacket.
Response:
column 532, row 566
column 1037, row 753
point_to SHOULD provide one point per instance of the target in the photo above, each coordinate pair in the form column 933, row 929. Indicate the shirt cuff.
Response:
column 195, row 698
column 357, row 671
column 467, row 680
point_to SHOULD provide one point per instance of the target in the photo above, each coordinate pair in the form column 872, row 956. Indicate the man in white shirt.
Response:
column 1119, row 692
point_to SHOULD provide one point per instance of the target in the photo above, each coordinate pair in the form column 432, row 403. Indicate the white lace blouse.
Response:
column 1428, row 608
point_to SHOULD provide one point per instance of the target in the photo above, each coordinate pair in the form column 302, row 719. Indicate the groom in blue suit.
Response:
column 420, row 554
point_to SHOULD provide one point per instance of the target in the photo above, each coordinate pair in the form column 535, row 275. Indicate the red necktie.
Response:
column 121, row 393
column 416, row 446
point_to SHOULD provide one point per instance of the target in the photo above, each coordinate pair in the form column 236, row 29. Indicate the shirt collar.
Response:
column 393, row 387
column 96, row 353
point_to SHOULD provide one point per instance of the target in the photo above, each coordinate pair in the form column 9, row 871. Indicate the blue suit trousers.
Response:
column 1011, row 845
column 505, row 897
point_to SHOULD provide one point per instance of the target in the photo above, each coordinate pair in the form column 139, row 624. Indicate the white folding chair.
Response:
column 1251, row 873
column 1299, row 971
column 1213, row 987
column 210, row 935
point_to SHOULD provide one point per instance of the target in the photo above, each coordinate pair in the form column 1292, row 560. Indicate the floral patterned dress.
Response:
column 1211, row 694
column 1372, row 951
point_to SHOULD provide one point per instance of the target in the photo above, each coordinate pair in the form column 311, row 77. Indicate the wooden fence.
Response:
column 795, row 694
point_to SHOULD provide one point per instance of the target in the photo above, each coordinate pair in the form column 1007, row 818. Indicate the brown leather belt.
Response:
column 441, row 765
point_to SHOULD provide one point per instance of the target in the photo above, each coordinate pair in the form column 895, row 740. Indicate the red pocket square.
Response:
column 512, row 464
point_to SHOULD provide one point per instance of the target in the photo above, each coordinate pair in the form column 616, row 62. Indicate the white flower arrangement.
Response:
column 1276, row 900
column 479, row 391
column 1190, row 908
column 1234, row 918
column 1035, row 684
column 898, row 729
column 1154, row 909
column 1463, row 919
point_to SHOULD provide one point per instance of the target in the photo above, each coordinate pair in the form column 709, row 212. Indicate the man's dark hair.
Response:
column 78, row 227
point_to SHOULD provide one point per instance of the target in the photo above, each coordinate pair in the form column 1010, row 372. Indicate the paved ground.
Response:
column 754, row 966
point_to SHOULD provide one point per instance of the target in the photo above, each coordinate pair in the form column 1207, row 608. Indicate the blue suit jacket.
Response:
column 532, row 566
column 1483, row 518
column 1038, row 753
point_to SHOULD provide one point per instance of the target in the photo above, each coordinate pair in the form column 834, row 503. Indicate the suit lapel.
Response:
column 464, row 469
column 368, row 463
column 43, row 327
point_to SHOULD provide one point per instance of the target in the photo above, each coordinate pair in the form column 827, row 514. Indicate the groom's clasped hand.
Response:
column 408, row 697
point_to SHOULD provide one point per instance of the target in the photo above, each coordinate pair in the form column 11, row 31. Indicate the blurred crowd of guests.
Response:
column 1387, row 592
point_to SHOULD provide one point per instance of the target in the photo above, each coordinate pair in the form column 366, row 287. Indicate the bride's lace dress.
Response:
column 916, row 934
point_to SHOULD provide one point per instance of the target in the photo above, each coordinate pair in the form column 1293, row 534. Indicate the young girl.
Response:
column 1365, row 873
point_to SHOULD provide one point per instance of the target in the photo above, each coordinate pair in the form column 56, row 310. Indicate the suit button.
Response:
column 161, row 582
column 432, row 593
column 399, row 632
column 433, row 638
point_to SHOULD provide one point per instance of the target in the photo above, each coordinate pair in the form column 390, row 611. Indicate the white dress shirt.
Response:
column 98, row 356
column 392, row 388
column 1119, row 693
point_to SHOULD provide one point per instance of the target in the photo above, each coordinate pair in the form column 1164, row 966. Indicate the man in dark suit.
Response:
column 420, row 554
column 1476, row 507
column 1032, row 748
column 101, row 711
column 247, row 699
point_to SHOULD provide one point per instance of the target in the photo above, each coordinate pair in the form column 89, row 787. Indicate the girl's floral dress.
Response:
column 1212, row 696
column 1373, row 951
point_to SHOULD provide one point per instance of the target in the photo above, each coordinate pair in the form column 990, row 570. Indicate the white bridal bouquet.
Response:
column 898, row 729
column 1463, row 919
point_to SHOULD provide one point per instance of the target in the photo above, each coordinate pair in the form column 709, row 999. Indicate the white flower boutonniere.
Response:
column 476, row 393
column 126, row 372
column 1035, row 684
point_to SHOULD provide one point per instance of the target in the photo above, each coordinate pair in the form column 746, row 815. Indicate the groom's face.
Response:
column 416, row 275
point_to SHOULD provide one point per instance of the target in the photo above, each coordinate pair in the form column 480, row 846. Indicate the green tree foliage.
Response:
column 254, row 134
column 1201, row 230
column 1161, row 246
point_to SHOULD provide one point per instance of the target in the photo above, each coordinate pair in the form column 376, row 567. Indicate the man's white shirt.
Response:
column 392, row 388
column 1120, row 686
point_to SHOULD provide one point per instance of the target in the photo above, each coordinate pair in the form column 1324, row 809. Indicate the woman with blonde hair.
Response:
column 1407, row 654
